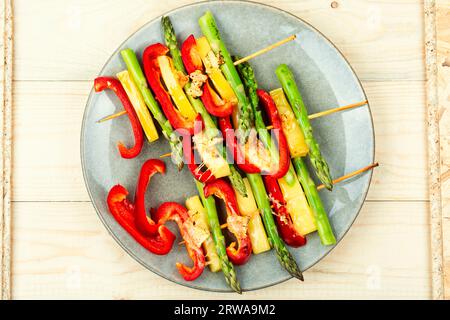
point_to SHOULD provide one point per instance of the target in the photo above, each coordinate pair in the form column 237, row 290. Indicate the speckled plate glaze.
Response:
column 326, row 80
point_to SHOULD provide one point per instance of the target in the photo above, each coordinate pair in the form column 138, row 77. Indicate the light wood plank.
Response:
column 399, row 115
column 55, row 170
column 78, row 259
column 386, row 39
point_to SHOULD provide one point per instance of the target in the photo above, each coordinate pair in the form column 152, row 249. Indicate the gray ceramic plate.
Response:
column 325, row 79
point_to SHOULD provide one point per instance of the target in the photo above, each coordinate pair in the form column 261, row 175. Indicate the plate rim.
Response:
column 83, row 160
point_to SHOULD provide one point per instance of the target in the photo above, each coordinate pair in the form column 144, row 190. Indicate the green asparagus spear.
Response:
column 323, row 224
column 227, row 267
column 236, row 181
column 250, row 84
column 135, row 70
column 283, row 254
column 172, row 43
column 245, row 119
column 317, row 160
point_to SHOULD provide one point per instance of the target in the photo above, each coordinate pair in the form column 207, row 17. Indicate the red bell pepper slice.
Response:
column 153, row 75
column 123, row 212
column 231, row 141
column 145, row 224
column 283, row 150
column 192, row 62
column 284, row 220
column 214, row 103
column 102, row 83
column 176, row 212
column 223, row 190
column 188, row 150
column 190, row 56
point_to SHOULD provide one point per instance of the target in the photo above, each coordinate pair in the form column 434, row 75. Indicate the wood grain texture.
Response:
column 386, row 39
column 5, row 133
column 61, row 249
column 78, row 259
column 55, row 175
column 443, row 95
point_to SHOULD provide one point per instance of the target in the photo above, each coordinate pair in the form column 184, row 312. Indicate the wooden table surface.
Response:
column 61, row 249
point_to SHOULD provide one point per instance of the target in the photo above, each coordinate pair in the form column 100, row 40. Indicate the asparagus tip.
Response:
column 237, row 288
column 299, row 276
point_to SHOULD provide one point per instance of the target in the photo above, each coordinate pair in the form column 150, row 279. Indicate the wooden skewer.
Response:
column 112, row 116
column 312, row 116
column 266, row 49
column 352, row 174
column 165, row 155
column 330, row 111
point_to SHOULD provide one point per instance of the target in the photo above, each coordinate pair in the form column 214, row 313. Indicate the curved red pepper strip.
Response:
column 188, row 151
column 222, row 189
column 102, row 83
column 176, row 212
column 144, row 223
column 284, row 220
column 153, row 75
column 231, row 142
column 192, row 63
column 123, row 212
column 283, row 150
column 216, row 108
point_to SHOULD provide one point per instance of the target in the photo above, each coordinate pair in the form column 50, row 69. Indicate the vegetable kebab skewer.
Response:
column 260, row 236
column 310, row 116
column 208, row 202
column 167, row 26
column 269, row 127
column 251, row 56
column 210, row 30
